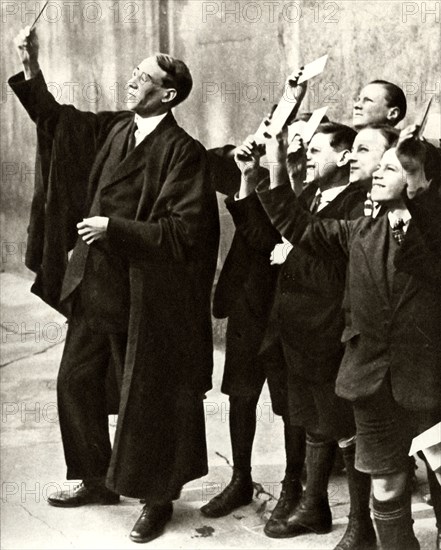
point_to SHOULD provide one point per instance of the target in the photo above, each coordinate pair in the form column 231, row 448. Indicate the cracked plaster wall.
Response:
column 239, row 52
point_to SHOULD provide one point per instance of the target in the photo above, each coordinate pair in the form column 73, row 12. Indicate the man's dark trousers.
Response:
column 82, row 400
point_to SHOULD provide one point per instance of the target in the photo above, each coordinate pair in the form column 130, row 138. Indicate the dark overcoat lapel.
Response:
column 116, row 137
column 160, row 442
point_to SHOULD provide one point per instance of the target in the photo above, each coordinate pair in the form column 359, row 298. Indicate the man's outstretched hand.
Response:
column 27, row 46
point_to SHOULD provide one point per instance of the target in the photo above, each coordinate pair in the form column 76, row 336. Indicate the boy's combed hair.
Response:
column 394, row 96
column 342, row 136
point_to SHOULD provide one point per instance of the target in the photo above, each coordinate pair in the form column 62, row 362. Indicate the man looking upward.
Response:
column 379, row 102
column 129, row 194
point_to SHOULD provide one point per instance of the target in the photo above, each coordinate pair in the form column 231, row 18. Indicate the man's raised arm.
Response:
column 249, row 217
column 31, row 89
column 292, row 221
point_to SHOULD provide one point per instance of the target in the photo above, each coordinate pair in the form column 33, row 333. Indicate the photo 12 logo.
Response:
column 52, row 333
column 33, row 492
column 25, row 412
column 215, row 410
column 420, row 12
column 70, row 11
column 269, row 12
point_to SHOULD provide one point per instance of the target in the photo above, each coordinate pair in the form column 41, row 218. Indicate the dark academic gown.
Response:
column 171, row 250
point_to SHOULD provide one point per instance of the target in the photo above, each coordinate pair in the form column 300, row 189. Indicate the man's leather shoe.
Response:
column 290, row 496
column 308, row 517
column 237, row 493
column 359, row 535
column 96, row 493
column 151, row 523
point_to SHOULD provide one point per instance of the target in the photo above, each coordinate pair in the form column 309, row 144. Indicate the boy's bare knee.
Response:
column 389, row 487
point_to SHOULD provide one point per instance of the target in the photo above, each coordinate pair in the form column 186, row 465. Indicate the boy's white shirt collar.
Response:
column 329, row 195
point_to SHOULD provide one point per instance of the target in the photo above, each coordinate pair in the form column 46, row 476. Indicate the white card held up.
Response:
column 312, row 69
column 424, row 118
column 306, row 129
column 312, row 124
column 287, row 102
column 430, row 443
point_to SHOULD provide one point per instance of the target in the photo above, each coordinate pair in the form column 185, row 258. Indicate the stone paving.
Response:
column 32, row 463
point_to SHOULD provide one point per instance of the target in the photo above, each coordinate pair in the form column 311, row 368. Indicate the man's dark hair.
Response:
column 390, row 134
column 178, row 76
column 394, row 96
column 342, row 136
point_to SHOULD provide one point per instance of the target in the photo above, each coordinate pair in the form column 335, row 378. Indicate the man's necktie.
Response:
column 315, row 205
column 132, row 140
column 398, row 230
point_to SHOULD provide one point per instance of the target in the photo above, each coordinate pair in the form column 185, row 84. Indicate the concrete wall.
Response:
column 87, row 52
column 239, row 52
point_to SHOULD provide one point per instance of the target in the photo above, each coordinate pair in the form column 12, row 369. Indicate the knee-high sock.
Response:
column 320, row 456
column 242, row 430
column 393, row 519
column 359, row 485
column 295, row 448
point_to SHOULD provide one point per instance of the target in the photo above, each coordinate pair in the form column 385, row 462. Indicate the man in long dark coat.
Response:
column 136, row 290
